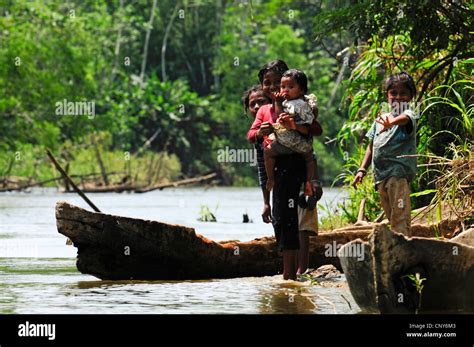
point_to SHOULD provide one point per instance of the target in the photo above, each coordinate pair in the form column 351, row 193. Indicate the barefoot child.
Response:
column 291, row 223
column 290, row 101
column 252, row 100
column 392, row 138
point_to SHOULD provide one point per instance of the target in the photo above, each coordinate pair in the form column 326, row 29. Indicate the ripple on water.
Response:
column 38, row 286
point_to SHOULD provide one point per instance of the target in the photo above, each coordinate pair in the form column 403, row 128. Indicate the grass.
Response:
column 332, row 218
column 453, row 179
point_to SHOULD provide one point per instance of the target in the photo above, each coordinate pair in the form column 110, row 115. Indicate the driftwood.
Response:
column 128, row 187
column 19, row 186
column 93, row 188
column 379, row 279
column 114, row 188
column 176, row 183
column 16, row 184
column 380, row 217
column 71, row 182
column 360, row 215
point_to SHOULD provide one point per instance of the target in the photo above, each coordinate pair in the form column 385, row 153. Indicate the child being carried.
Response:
column 290, row 103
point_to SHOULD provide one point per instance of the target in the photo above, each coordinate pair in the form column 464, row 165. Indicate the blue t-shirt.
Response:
column 389, row 146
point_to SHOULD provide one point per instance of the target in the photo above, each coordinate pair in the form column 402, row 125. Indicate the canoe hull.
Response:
column 379, row 282
column 116, row 248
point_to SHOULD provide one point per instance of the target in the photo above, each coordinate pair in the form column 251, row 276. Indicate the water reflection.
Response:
column 288, row 298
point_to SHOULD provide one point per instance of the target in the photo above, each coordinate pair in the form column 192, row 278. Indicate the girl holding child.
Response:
column 286, row 168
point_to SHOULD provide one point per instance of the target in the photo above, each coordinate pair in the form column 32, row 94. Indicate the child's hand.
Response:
column 386, row 121
column 287, row 121
column 267, row 213
column 358, row 178
column 278, row 97
column 265, row 129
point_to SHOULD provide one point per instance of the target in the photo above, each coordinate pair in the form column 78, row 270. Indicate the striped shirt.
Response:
column 262, row 173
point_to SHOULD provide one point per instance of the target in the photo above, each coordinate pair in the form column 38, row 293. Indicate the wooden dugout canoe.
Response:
column 378, row 280
column 117, row 248
column 120, row 248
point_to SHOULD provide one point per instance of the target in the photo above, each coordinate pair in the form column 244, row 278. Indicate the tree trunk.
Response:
column 165, row 41
column 101, row 163
column 117, row 43
column 147, row 40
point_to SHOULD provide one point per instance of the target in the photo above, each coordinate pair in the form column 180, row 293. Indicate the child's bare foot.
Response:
column 270, row 184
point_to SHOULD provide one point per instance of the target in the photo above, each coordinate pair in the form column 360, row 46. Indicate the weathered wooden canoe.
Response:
column 378, row 281
column 115, row 248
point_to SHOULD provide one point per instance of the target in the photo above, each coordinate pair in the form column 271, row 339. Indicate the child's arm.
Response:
column 364, row 166
column 278, row 97
column 289, row 123
column 267, row 211
column 389, row 121
column 305, row 113
column 278, row 108
column 259, row 128
column 255, row 127
column 262, row 177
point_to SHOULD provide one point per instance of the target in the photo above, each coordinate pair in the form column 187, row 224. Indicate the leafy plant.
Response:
column 417, row 282
column 311, row 279
column 365, row 190
column 206, row 215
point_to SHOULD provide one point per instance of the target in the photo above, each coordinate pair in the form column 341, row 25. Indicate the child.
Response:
column 290, row 101
column 392, row 138
column 252, row 100
column 291, row 224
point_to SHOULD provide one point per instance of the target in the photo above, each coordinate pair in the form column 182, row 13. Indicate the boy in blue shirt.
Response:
column 393, row 138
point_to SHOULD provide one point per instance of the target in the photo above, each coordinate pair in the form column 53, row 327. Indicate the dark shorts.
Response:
column 280, row 149
column 290, row 172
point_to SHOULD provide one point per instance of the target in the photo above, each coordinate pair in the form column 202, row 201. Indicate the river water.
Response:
column 38, row 273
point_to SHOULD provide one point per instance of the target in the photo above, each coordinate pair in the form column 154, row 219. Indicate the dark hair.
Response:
column 299, row 77
column 246, row 96
column 402, row 77
column 278, row 66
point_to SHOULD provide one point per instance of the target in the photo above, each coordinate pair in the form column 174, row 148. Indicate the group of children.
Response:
column 285, row 122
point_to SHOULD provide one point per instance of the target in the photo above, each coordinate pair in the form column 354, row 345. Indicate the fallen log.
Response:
column 114, row 188
column 31, row 185
column 120, row 188
column 186, row 181
column 18, row 185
